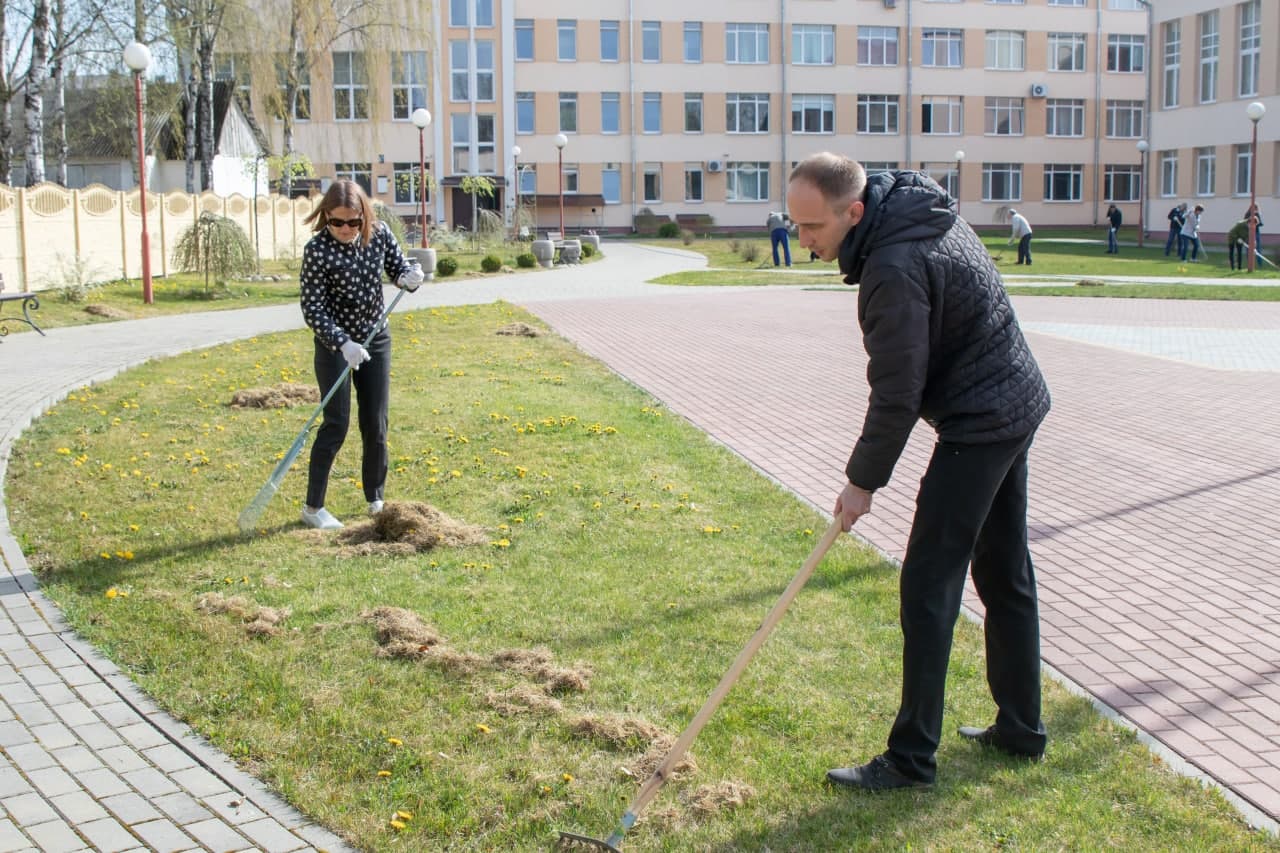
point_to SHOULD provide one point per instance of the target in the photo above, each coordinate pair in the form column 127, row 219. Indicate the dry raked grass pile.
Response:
column 404, row 528
column 523, row 330
column 284, row 395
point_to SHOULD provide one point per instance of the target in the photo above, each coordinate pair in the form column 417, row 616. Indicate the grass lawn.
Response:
column 636, row 554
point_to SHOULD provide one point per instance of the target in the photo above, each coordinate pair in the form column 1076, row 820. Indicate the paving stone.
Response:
column 29, row 757
column 199, row 782
column 54, row 736
column 142, row 735
column 53, row 781
column 108, row 836
column 55, row 835
column 182, row 808
column 78, row 807
column 150, row 782
column 102, row 782
column 123, row 759
column 216, row 835
column 169, row 757
column 12, row 839
column 130, row 808
column 163, row 836
column 270, row 836
column 13, row 783
column 29, row 809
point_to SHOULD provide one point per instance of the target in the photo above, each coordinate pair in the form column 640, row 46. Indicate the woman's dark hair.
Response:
column 348, row 194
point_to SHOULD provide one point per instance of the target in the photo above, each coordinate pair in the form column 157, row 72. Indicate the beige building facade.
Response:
column 699, row 110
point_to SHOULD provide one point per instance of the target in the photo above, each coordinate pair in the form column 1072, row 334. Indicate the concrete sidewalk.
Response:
column 1151, row 510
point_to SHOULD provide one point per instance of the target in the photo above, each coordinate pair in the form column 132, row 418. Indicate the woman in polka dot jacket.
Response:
column 341, row 281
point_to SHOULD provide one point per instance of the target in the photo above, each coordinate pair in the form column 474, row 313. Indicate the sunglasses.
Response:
column 348, row 223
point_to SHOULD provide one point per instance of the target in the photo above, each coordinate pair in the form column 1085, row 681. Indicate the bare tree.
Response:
column 33, row 94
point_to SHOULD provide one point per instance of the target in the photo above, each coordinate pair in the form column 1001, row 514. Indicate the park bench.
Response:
column 28, row 302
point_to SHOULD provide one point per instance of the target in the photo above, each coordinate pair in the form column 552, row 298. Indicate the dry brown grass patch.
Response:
column 398, row 625
column 536, row 665
column 280, row 396
column 523, row 699
column 523, row 330
column 642, row 768
column 109, row 311
column 258, row 621
column 709, row 799
column 408, row 527
column 617, row 732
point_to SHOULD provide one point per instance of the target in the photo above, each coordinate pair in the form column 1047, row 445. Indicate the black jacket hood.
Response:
column 900, row 207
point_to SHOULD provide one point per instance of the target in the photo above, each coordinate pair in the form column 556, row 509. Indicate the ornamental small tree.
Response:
column 216, row 245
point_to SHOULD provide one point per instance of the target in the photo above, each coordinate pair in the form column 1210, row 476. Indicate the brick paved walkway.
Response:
column 1153, row 485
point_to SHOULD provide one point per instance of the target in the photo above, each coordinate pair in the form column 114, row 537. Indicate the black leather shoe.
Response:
column 990, row 737
column 876, row 775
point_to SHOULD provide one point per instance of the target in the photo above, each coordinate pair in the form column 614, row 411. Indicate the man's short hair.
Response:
column 838, row 178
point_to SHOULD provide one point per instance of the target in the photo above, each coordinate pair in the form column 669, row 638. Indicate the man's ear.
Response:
column 856, row 210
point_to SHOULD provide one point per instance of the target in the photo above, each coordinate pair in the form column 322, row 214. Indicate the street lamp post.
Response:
column 1255, row 111
column 421, row 117
column 959, row 160
column 561, row 142
column 138, row 57
column 515, row 218
column 1142, row 188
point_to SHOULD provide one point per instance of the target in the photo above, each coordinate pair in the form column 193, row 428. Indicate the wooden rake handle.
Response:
column 682, row 744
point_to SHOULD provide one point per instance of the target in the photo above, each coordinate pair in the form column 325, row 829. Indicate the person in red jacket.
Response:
column 943, row 346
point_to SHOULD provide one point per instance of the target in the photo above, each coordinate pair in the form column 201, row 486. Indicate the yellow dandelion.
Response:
column 396, row 824
column 106, row 555
column 64, row 451
column 483, row 729
column 395, row 741
column 404, row 815
column 112, row 592
column 384, row 773
column 568, row 777
column 501, row 543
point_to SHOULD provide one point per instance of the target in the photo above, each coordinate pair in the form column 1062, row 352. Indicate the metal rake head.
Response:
column 574, row 841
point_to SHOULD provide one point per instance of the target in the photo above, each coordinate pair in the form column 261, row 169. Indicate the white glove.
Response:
column 355, row 354
column 410, row 278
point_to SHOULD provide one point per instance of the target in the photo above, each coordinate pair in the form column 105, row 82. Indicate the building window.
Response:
column 361, row 173
column 813, row 44
column 461, row 143
column 652, row 182
column 235, row 67
column 459, row 13
column 1250, row 46
column 459, row 70
column 1208, row 57
column 525, row 112
column 1120, row 183
column 1169, row 174
column 1126, row 53
column 350, row 86
column 608, row 41
column 1066, row 2
column 610, row 112
column 484, row 13
column 302, row 91
column 1067, row 51
column 568, row 112
column 524, row 40
column 877, row 45
column 746, row 43
column 1243, row 163
column 484, row 70
column 813, row 113
column 944, row 174
column 1125, row 5
column 878, row 114
column 746, row 112
column 404, row 177
column 747, row 182
column 1006, row 50
column 1172, row 62
column 1124, row 119
column 874, row 166
column 1002, row 182
column 650, row 41
column 693, row 41
column 528, row 179
column 942, row 115
column 693, row 182
column 652, row 112
column 941, row 48
column 1004, row 117
column 486, row 143
column 611, row 184
column 570, row 178
column 1206, row 168
column 693, row 112
column 1063, row 181
column 408, row 82
column 566, row 40
column 1064, row 117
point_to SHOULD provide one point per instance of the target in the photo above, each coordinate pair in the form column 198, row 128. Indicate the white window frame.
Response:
column 746, row 44
column 404, row 183
column 878, row 111
column 571, row 174
column 651, row 113
column 302, row 103
column 566, row 40
column 950, row 108
column 361, row 173
column 1011, row 109
column 614, row 102
column 1126, row 53
column 1121, row 183
column 528, row 180
column 460, row 143
column 1250, row 53
column 1171, row 32
column 1006, row 50
column 650, row 41
column 693, row 99
column 1125, row 119
column 1078, row 3
column 1064, row 117
column 614, row 55
column 1072, row 174
column 1002, row 182
column 813, row 44
column 1206, row 171
column 949, row 42
column 484, row 13
column 408, row 82
column 568, row 101
column 652, row 171
column 351, row 88
column 1169, row 174
column 608, row 173
column 526, row 108
column 741, row 177
column 736, row 112
column 813, row 109
column 877, row 46
column 1243, row 161
column 1073, row 47
column 1210, row 46
column 695, row 188
column 459, row 70
column 524, row 39
column 692, row 44
column 486, row 143
column 484, row 63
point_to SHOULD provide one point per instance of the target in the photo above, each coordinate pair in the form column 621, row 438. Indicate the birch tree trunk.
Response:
column 33, row 100
column 58, row 69
column 6, row 100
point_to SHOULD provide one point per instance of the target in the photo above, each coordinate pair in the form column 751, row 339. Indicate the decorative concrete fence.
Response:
column 46, row 230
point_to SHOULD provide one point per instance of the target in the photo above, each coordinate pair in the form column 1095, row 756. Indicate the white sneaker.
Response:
column 320, row 519
column 375, row 507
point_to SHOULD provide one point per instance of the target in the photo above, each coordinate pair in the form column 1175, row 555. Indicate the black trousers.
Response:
column 972, row 507
column 373, row 388
column 1024, row 249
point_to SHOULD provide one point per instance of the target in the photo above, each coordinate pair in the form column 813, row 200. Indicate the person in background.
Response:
column 1190, row 235
column 1257, row 227
column 341, row 284
column 943, row 346
column 1238, row 244
column 778, row 235
column 1114, row 218
column 1176, row 216
column 1020, row 230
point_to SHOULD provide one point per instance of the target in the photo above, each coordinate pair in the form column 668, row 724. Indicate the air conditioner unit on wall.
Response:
column 1039, row 90
column 715, row 165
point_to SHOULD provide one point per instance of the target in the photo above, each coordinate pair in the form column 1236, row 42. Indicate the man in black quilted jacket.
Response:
column 942, row 345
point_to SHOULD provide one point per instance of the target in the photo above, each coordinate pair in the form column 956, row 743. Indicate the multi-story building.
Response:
column 1038, row 104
